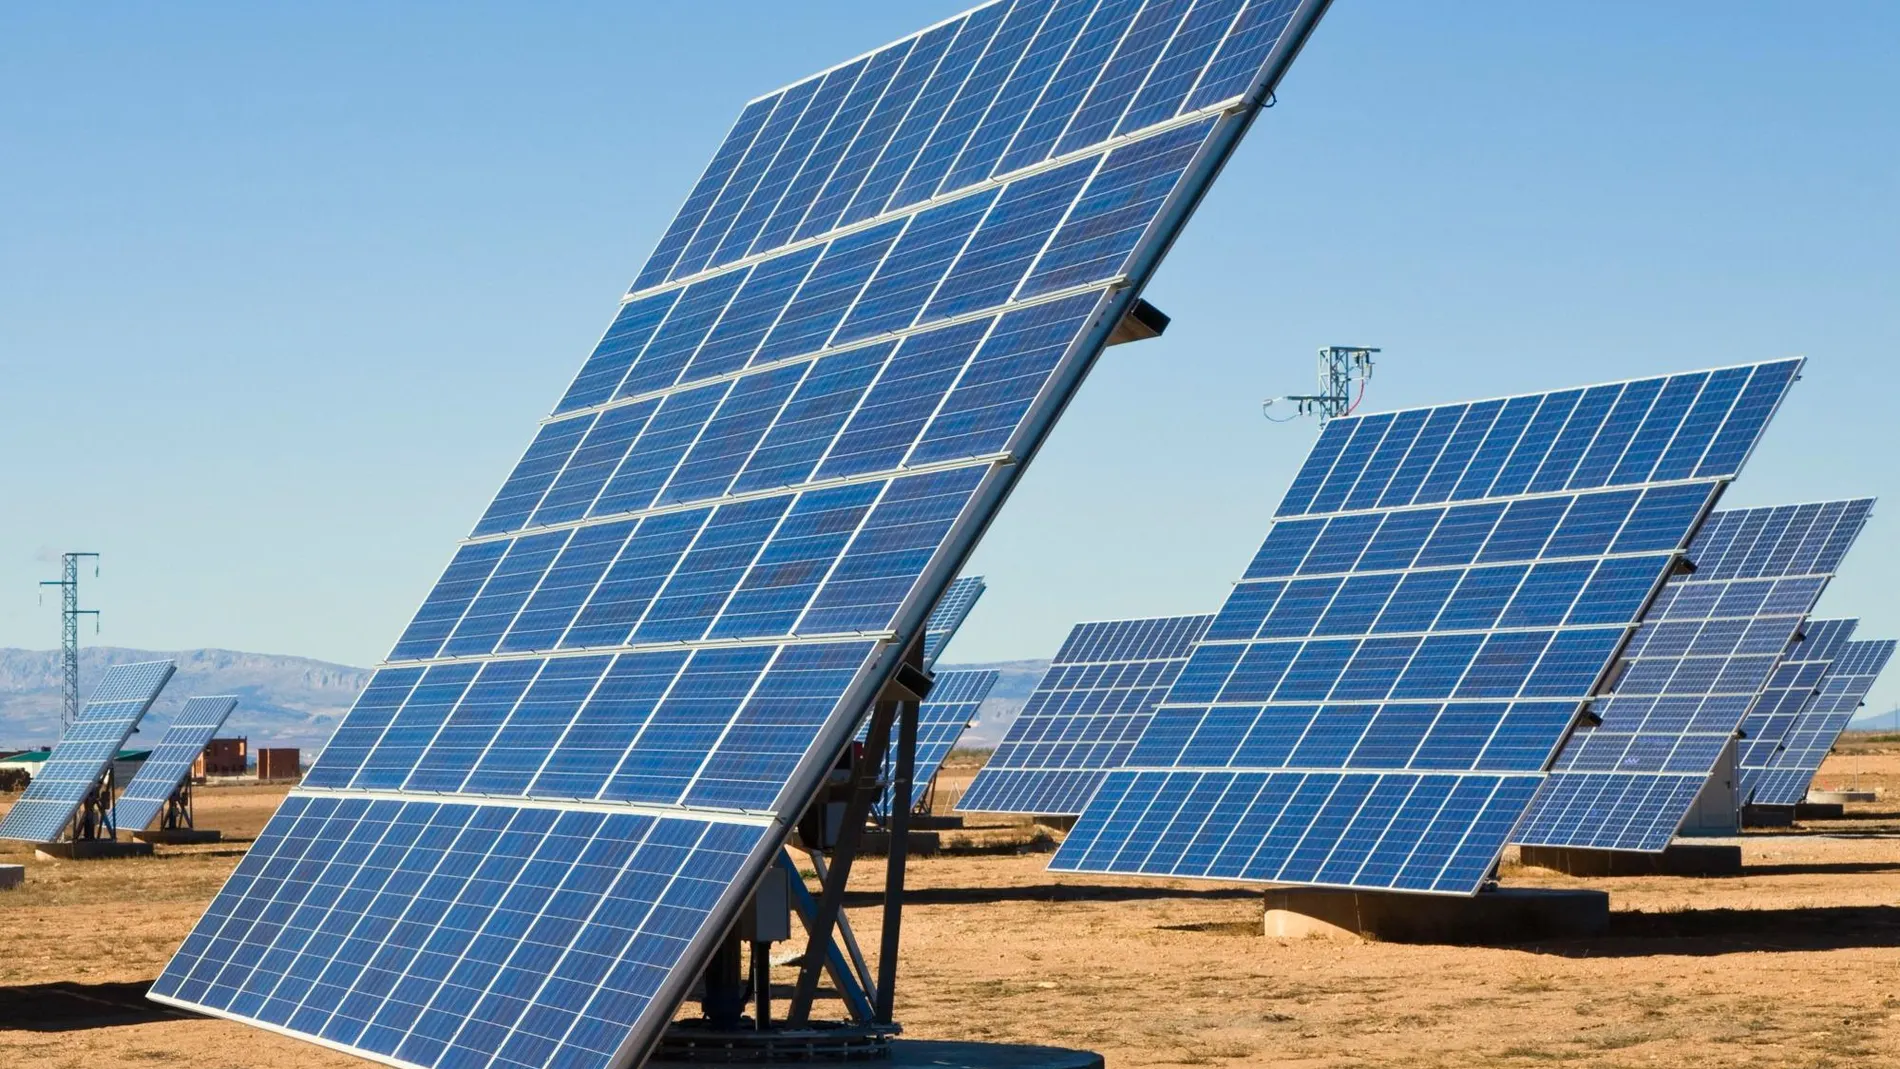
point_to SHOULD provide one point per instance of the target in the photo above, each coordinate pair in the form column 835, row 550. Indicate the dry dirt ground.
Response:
column 1795, row 963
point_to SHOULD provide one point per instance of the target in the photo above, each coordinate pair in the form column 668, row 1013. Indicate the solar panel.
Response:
column 954, row 700
column 1084, row 716
column 170, row 761
column 951, row 610
column 74, row 767
column 1796, row 681
column 1844, row 686
column 857, row 331
column 1441, row 592
column 1703, row 657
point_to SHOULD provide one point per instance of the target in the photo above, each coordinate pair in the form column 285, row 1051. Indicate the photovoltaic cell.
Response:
column 170, row 761
column 1702, row 659
column 952, row 609
column 1084, row 716
column 1784, row 778
column 1440, row 594
column 853, row 336
column 73, row 769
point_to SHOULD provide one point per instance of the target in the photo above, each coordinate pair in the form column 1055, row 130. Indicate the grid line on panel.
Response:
column 89, row 746
column 170, row 761
column 1441, row 593
column 1084, row 715
column 869, row 309
column 993, row 79
column 1706, row 654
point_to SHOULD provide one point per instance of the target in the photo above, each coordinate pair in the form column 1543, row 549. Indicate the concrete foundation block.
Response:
column 1507, row 915
column 1841, row 797
column 91, row 850
column 1679, row 859
column 1767, row 816
column 12, row 876
column 1819, row 811
column 935, row 822
column 179, row 836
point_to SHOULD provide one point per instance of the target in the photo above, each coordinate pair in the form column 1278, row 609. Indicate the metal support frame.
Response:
column 93, row 819
column 180, row 812
column 69, row 614
column 898, row 705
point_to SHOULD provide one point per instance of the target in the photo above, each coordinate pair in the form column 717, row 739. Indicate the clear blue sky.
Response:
column 283, row 288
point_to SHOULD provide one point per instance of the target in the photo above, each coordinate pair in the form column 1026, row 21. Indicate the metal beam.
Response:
column 864, row 790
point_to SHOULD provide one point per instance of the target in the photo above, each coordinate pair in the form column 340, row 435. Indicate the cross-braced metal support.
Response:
column 897, row 706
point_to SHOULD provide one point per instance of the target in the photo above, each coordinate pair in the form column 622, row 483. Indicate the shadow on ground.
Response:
column 70, row 1007
column 1050, row 892
column 1706, row 932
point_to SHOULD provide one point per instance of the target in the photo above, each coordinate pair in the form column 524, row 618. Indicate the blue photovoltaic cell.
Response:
column 951, row 610
column 1441, row 593
column 73, row 769
column 1784, row 776
column 858, row 329
column 170, row 761
column 1702, row 659
column 955, row 697
column 1796, row 681
column 1084, row 716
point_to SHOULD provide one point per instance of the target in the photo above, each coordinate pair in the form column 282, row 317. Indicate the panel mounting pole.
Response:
column 70, row 612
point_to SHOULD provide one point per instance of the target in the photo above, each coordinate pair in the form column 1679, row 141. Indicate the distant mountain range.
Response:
column 282, row 701
column 296, row 701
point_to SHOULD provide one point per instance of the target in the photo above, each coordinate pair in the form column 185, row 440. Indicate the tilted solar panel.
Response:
column 1084, row 716
column 1441, row 592
column 1790, row 771
column 954, row 700
column 949, row 615
column 859, row 328
column 73, row 769
column 170, row 762
column 1796, row 681
column 1706, row 652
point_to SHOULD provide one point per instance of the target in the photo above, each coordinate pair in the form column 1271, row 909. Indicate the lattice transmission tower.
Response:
column 1340, row 367
column 69, row 614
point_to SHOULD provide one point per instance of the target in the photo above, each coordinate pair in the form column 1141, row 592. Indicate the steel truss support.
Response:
column 897, row 706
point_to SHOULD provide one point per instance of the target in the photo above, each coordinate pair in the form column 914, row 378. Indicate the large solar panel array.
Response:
column 1084, row 716
column 1796, row 681
column 71, row 771
column 1844, row 686
column 1701, row 660
column 948, row 616
column 1441, row 592
column 635, row 673
column 170, row 762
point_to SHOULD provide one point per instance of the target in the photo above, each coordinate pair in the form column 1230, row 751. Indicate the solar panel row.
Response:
column 1442, row 592
column 1701, row 660
column 1796, row 681
column 453, row 932
column 170, row 761
column 81, row 756
column 1790, row 771
column 765, row 477
column 1084, row 716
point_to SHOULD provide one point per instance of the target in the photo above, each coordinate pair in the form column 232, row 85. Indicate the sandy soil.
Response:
column 1795, row 963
